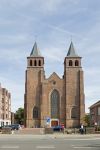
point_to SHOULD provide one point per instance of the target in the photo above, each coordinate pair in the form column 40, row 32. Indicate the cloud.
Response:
column 16, row 89
column 38, row 5
column 92, row 85
column 53, row 54
column 54, row 22
column 91, row 95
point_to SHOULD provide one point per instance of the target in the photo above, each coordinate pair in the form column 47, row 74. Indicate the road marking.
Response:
column 9, row 147
column 45, row 147
column 80, row 147
column 88, row 139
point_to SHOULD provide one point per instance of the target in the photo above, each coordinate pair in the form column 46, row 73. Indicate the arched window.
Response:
column 35, row 63
column 70, row 63
column 30, row 62
column 76, row 63
column 55, row 104
column 35, row 112
column 39, row 62
column 74, row 113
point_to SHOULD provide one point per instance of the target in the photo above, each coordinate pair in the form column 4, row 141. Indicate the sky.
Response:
column 52, row 24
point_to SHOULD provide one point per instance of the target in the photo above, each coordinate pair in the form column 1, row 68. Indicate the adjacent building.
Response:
column 5, row 107
column 95, row 114
column 13, row 121
column 53, row 101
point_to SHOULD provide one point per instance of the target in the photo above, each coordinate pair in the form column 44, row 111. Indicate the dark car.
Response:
column 15, row 126
column 57, row 128
column 5, row 128
column 12, row 126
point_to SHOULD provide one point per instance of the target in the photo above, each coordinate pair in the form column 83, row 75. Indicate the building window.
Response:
column 2, row 123
column 2, row 107
column 98, row 110
column 70, row 63
column 3, row 91
column 2, row 100
column 76, row 63
column 6, row 116
column 55, row 104
column 35, row 112
column 3, row 116
column 74, row 113
column 30, row 62
column 39, row 62
column 6, row 93
column 35, row 63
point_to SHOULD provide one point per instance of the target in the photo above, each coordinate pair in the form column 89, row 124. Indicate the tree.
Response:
column 87, row 119
column 19, row 116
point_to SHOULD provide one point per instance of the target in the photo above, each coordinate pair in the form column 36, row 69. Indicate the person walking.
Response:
column 82, row 129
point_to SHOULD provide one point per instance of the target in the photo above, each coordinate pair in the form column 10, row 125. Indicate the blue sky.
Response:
column 51, row 23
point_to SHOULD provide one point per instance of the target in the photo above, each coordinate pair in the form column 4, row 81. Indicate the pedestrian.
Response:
column 63, row 128
column 82, row 129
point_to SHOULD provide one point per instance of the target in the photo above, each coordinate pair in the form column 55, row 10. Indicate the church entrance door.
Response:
column 54, row 122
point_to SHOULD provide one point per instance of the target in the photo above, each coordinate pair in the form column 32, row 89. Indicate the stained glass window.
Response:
column 35, row 112
column 55, row 104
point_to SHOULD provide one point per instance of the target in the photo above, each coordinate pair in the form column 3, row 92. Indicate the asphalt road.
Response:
column 36, row 142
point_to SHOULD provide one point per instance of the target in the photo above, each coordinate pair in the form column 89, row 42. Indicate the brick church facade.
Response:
column 53, row 101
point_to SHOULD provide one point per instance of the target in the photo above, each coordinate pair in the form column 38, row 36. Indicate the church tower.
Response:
column 34, row 77
column 74, row 88
column 54, row 101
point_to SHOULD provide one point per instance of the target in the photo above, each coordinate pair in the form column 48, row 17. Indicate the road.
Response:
column 43, row 142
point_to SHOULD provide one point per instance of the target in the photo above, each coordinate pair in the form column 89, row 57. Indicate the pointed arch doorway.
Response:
column 55, row 107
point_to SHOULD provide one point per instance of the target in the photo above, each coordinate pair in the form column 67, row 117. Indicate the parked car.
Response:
column 15, row 126
column 12, row 126
column 5, row 128
column 57, row 128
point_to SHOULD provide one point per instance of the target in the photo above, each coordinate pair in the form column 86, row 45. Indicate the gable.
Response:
column 54, row 76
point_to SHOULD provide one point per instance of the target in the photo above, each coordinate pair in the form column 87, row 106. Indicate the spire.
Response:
column 35, row 51
column 71, row 51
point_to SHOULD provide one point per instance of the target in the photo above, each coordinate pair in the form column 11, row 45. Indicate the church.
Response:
column 54, row 101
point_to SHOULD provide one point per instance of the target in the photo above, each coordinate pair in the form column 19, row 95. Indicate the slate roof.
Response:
column 71, row 51
column 35, row 51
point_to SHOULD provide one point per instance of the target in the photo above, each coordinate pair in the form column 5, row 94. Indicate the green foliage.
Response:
column 19, row 116
column 87, row 119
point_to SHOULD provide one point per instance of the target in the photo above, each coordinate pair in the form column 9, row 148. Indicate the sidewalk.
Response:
column 40, row 132
column 54, row 136
column 57, row 135
column 75, row 135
